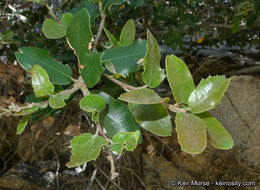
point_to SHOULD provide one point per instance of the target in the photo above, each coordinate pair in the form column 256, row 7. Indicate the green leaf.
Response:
column 91, row 7
column 125, row 58
column 109, row 3
column 58, row 101
column 153, row 75
column 93, row 69
column 141, row 96
column 22, row 124
column 111, row 68
column 127, row 35
column 95, row 116
column 36, row 1
column 127, row 140
column 43, row 113
column 30, row 56
column 66, row 19
column 218, row 136
column 117, row 117
column 52, row 29
column 92, row 103
column 154, row 118
column 93, row 1
column 136, row 3
column 28, row 111
column 79, row 33
column 208, row 93
column 41, row 83
column 180, row 79
column 33, row 98
column 110, row 36
column 191, row 133
column 236, row 23
column 85, row 148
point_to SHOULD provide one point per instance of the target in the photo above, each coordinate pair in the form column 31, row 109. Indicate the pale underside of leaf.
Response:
column 191, row 133
column 153, row 75
column 85, row 148
column 141, row 96
column 218, row 136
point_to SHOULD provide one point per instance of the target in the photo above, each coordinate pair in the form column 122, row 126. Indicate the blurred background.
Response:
column 213, row 37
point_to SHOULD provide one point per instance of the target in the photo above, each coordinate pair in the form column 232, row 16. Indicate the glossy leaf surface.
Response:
column 58, row 101
column 191, row 133
column 208, row 93
column 154, row 118
column 30, row 56
column 85, row 148
column 218, row 136
column 116, row 117
column 41, row 83
column 180, row 79
column 153, row 75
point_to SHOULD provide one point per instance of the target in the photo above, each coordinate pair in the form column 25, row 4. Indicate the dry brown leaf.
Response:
column 72, row 130
column 48, row 122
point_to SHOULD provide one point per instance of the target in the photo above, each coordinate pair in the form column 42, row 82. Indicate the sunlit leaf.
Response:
column 218, row 136
column 127, row 35
column 141, row 96
column 208, row 93
column 85, row 148
column 58, row 101
column 127, row 140
column 180, row 79
column 191, row 133
column 153, row 75
column 153, row 118
column 41, row 83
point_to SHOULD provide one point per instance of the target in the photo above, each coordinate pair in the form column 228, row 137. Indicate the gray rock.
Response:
column 239, row 112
